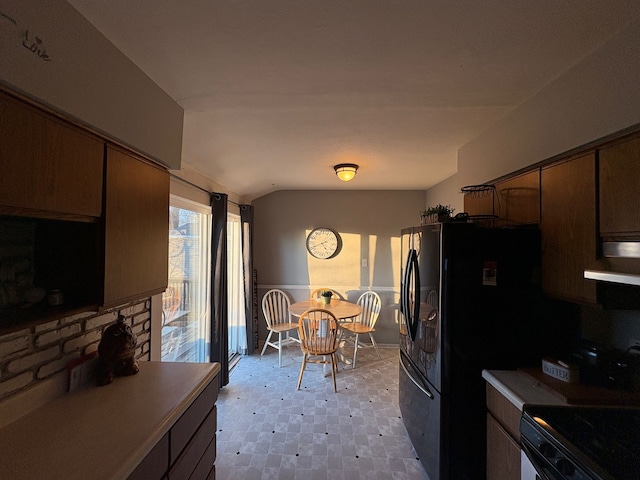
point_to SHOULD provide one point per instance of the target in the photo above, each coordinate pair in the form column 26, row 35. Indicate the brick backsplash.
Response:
column 36, row 353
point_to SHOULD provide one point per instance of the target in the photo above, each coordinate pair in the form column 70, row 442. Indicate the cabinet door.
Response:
column 518, row 199
column 136, row 228
column 569, row 228
column 480, row 203
column 619, row 187
column 503, row 453
column 47, row 165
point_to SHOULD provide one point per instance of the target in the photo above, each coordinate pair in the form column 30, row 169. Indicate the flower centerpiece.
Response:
column 326, row 296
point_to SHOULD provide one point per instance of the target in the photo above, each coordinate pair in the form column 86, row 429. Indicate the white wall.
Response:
column 369, row 223
column 597, row 97
column 49, row 52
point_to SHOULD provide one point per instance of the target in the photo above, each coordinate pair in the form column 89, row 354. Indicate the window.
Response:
column 186, row 302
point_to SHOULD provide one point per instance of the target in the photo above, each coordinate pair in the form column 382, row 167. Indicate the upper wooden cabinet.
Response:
column 568, row 226
column 481, row 202
column 47, row 168
column 619, row 189
column 98, row 232
column 519, row 199
column 136, row 228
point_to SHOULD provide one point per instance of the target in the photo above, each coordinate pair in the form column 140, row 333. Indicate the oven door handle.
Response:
column 424, row 389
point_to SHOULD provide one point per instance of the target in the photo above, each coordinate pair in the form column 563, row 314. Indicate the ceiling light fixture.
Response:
column 346, row 171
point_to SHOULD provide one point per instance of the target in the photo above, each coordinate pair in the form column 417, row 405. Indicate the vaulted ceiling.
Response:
column 276, row 92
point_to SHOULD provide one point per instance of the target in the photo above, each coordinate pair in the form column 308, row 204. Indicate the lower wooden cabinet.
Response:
column 503, row 432
column 188, row 450
column 503, row 453
column 158, row 424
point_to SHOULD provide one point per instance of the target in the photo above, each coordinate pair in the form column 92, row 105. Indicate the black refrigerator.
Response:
column 470, row 300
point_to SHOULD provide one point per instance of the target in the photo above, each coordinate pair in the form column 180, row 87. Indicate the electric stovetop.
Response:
column 608, row 436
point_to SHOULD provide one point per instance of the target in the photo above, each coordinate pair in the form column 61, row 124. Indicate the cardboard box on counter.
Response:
column 561, row 370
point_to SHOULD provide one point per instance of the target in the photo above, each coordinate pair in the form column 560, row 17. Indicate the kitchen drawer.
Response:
column 198, row 452
column 206, row 464
column 504, row 411
column 191, row 420
column 155, row 464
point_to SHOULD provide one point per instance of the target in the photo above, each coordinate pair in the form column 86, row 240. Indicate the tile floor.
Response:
column 269, row 430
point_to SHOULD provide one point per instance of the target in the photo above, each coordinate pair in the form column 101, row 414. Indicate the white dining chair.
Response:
column 365, row 322
column 318, row 331
column 275, row 306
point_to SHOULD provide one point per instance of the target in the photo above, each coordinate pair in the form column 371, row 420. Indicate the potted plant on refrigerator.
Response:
column 436, row 213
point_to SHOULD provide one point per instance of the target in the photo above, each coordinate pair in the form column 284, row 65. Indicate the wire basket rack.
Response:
column 478, row 191
column 482, row 191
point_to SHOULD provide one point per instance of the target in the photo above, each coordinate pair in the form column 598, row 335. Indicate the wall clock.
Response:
column 323, row 242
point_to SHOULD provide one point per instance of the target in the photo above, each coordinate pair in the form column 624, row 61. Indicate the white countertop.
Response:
column 102, row 433
column 519, row 389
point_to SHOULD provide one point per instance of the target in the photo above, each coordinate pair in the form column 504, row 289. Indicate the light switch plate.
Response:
column 80, row 371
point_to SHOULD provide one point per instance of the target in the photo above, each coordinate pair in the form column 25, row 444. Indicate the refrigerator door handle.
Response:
column 422, row 388
column 411, row 278
column 416, row 295
column 405, row 287
column 404, row 295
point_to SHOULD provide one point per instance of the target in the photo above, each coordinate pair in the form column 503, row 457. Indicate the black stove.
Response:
column 593, row 443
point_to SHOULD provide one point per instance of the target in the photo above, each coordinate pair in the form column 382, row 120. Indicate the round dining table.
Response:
column 342, row 309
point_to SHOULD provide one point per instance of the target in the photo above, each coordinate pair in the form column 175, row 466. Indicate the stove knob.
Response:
column 565, row 467
column 547, row 449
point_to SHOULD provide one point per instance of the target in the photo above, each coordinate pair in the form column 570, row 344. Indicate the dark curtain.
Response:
column 246, row 221
column 219, row 318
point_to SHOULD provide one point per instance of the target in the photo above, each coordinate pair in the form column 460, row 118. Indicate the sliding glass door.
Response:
column 237, row 327
column 185, row 304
